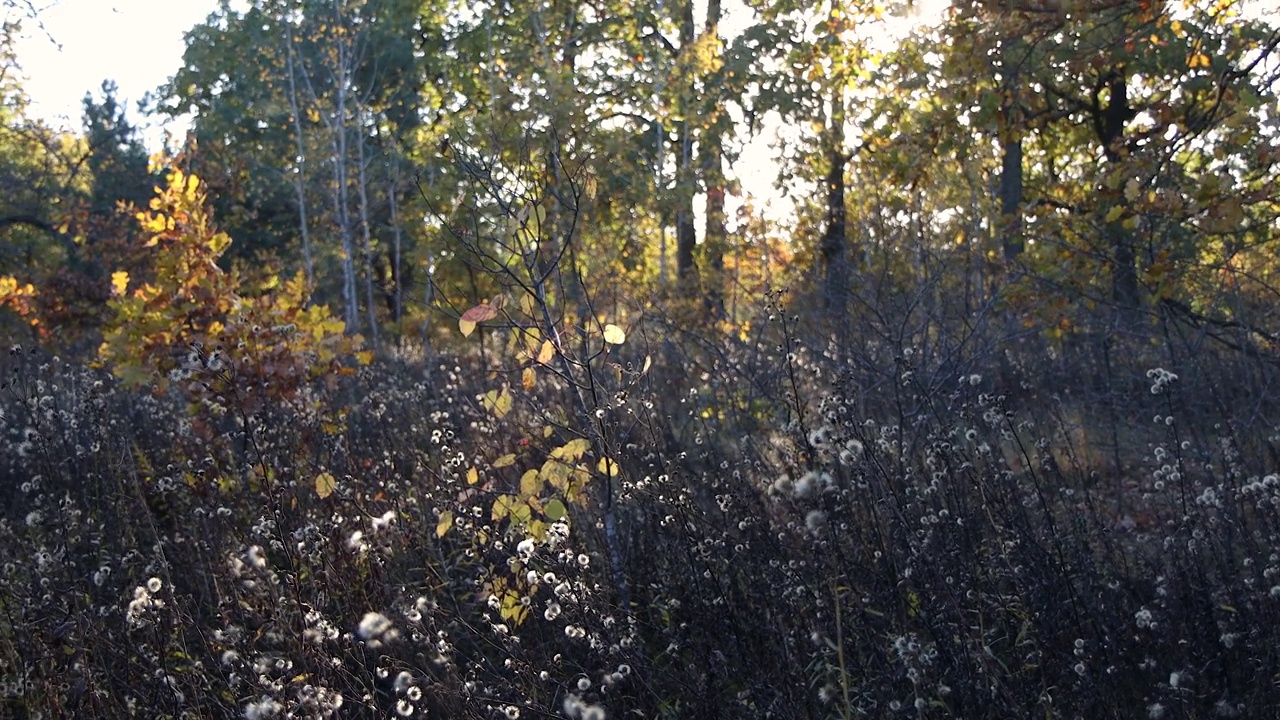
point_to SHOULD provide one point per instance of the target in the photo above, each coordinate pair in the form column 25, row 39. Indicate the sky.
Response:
column 137, row 43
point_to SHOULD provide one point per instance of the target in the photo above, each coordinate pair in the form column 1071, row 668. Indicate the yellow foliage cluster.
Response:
column 18, row 297
column 190, row 324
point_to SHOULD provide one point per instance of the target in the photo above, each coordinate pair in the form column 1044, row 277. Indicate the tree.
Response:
column 117, row 159
column 333, row 86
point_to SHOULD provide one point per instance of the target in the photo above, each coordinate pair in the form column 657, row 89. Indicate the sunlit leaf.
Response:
column 614, row 335
column 505, row 460
column 497, row 402
column 445, row 523
column 547, row 352
column 530, row 483
column 325, row 485
column 473, row 476
column 528, row 378
column 572, row 450
column 607, row 466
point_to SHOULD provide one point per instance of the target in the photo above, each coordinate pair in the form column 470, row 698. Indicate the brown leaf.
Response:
column 480, row 313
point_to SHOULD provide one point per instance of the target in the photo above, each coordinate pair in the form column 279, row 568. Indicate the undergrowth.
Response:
column 792, row 539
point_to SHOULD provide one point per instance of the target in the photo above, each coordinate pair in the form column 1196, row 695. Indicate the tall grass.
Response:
column 804, row 533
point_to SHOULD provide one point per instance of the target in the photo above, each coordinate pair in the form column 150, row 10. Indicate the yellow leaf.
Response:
column 503, row 506
column 1114, row 213
column 528, row 378
column 325, row 485
column 571, row 450
column 547, row 352
column 614, row 335
column 445, row 523
column 547, row 431
column 528, row 303
column 536, row 529
column 497, row 402
column 607, row 466
column 531, row 338
column 364, row 357
column 473, row 476
column 505, row 460
column 467, row 327
column 556, row 473
column 530, row 483
column 119, row 283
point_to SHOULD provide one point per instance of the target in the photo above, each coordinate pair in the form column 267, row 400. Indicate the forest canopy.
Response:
column 1083, row 162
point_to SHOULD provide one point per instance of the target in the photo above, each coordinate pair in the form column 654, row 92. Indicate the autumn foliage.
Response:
column 194, row 323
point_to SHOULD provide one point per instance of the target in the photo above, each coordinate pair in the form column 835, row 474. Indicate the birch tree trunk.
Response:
column 300, row 178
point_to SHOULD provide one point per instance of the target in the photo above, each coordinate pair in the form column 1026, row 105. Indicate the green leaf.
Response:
column 555, row 510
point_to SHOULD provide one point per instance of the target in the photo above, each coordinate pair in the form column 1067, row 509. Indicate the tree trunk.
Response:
column 686, row 233
column 397, row 274
column 299, row 178
column 835, row 243
column 1109, row 123
column 365, row 234
column 341, row 197
column 715, row 237
column 1011, row 143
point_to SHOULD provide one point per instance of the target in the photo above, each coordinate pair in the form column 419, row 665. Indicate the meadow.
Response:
column 780, row 528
